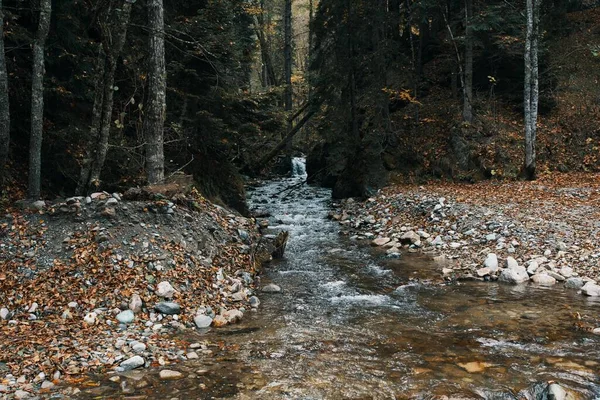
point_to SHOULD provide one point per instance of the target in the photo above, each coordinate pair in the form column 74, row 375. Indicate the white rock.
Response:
column 511, row 263
column 567, row 272
column 125, row 317
column 271, row 288
column 21, row 394
column 132, row 363
column 516, row 274
column 167, row 374
column 4, row 313
column 164, row 289
column 72, row 304
column 455, row 245
column 491, row 262
column 192, row 355
column 556, row 276
column 380, row 241
column 233, row 316
column 556, row 392
column 591, row 289
column 136, row 303
column 533, row 267
column 47, row 385
column 481, row 272
column 543, row 279
column 138, row 347
column 202, row 321
column 437, row 241
column 90, row 318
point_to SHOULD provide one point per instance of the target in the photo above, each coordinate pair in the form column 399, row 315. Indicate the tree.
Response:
column 4, row 104
column 37, row 99
column 468, row 91
column 531, row 89
column 287, row 51
column 156, row 105
column 114, row 31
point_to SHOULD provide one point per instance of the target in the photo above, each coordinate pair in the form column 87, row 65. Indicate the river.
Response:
column 350, row 323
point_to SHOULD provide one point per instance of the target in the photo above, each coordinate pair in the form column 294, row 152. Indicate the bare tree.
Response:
column 156, row 104
column 531, row 89
column 287, row 54
column 114, row 31
column 4, row 104
column 37, row 99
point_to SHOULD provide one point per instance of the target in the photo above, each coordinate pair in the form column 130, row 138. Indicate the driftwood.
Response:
column 280, row 243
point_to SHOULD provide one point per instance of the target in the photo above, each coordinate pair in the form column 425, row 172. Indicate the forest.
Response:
column 106, row 95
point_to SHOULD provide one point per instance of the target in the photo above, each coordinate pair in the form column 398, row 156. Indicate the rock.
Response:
column 233, row 316
column 271, row 288
column 423, row 234
column 3, row 388
column 111, row 202
column 574, row 283
column 481, row 272
column 108, row 212
column 47, row 385
column 254, row 302
column 380, row 241
column 138, row 347
column 202, row 321
column 543, row 279
column 136, row 303
column 21, row 394
column 561, row 246
column 125, row 317
column 410, row 237
column 219, row 321
column 447, row 271
column 238, row 296
column 591, row 289
column 90, row 318
column 132, row 363
column 556, row 392
column 167, row 374
column 38, row 205
column 437, row 241
column 4, row 313
column 168, row 307
column 491, row 262
column 164, row 289
column 192, row 355
column 595, row 331
column 491, row 237
column 533, row 267
column 514, row 273
column 116, row 196
column 556, row 276
column 567, row 272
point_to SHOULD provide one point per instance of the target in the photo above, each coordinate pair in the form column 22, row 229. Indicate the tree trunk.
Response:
column 468, row 98
column 156, row 104
column 531, row 89
column 37, row 100
column 113, row 41
column 287, row 55
column 4, row 103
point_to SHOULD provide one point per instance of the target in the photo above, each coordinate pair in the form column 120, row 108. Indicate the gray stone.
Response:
column 511, row 263
column 410, row 237
column 168, row 307
column 136, row 303
column 567, row 272
column 202, row 321
column 556, row 392
column 533, row 267
column 233, row 316
column 556, row 276
column 111, row 202
column 483, row 271
column 561, row 246
column 254, row 302
column 38, row 205
column 47, row 385
column 238, row 296
column 437, row 241
column 574, row 283
column 491, row 237
column 543, row 279
column 138, row 347
column 132, row 363
column 125, row 317
column 164, row 289
column 491, row 262
column 21, row 394
column 271, row 288
column 4, row 313
column 591, row 289
column 380, row 241
column 516, row 274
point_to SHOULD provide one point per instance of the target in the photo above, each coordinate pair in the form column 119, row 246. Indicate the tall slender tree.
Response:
column 156, row 103
column 287, row 54
column 4, row 103
column 531, row 89
column 468, row 92
column 37, row 99
column 114, row 31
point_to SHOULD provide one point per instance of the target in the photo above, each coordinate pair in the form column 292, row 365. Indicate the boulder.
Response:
column 514, row 273
column 591, row 289
column 543, row 279
column 491, row 262
column 574, row 283
column 132, row 363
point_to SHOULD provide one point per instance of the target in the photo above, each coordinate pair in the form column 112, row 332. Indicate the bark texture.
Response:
column 531, row 89
column 114, row 33
column 4, row 104
column 37, row 99
column 154, row 115
column 287, row 54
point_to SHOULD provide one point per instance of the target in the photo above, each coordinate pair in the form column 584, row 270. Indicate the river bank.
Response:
column 545, row 232
column 110, row 281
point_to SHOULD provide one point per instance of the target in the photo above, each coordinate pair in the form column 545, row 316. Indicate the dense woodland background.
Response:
column 369, row 90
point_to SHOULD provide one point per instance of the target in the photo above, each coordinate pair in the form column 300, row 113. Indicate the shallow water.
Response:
column 351, row 324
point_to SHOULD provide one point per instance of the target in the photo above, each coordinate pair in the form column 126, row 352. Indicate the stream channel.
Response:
column 353, row 324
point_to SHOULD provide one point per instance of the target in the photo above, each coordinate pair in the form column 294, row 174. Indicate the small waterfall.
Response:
column 298, row 167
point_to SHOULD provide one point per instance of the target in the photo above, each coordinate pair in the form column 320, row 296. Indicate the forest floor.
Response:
column 545, row 231
column 96, row 284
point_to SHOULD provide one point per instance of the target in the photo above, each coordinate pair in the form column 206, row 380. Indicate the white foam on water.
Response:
column 377, row 270
column 372, row 299
column 333, row 285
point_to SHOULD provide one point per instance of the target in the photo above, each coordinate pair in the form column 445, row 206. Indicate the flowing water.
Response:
column 351, row 324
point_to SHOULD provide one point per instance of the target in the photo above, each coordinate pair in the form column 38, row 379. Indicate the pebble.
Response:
column 380, row 241
column 125, row 317
column 164, row 289
column 21, row 394
column 233, row 316
column 138, row 347
column 136, row 303
column 491, row 262
column 4, row 313
column 90, row 318
column 192, row 355
column 202, row 321
column 132, row 363
column 47, row 385
column 271, row 288
column 168, row 307
column 254, row 301
column 543, row 279
column 167, row 374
